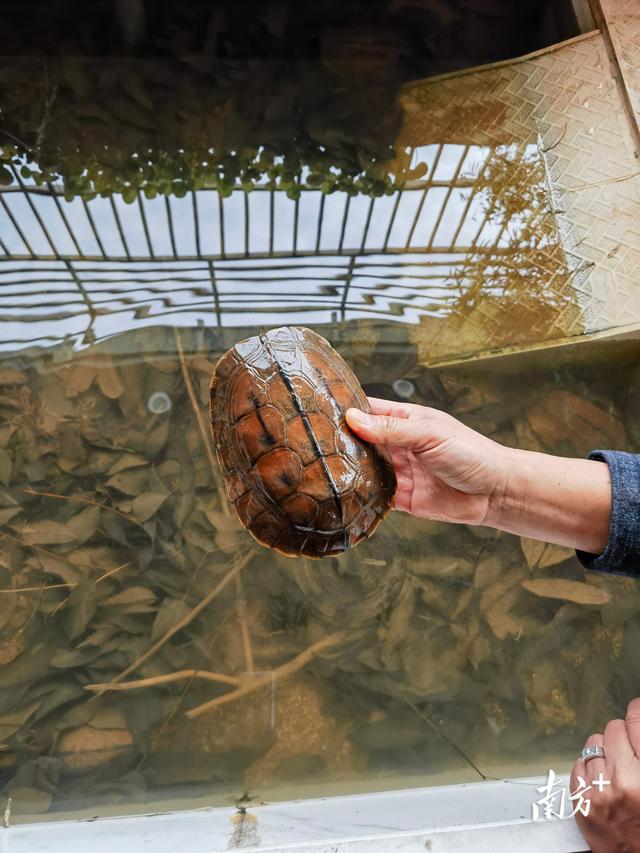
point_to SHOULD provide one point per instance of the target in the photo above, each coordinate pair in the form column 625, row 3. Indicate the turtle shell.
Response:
column 301, row 481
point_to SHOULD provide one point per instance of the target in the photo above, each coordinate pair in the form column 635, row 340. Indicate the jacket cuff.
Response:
column 622, row 554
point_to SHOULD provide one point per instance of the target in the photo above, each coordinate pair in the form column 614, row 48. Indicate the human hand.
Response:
column 449, row 472
column 445, row 470
column 613, row 822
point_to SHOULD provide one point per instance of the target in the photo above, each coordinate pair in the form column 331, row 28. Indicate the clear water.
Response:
column 426, row 641
column 129, row 596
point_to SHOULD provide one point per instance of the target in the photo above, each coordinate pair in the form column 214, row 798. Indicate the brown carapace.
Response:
column 300, row 480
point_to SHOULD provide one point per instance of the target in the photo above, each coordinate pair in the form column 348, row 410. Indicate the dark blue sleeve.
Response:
column 622, row 554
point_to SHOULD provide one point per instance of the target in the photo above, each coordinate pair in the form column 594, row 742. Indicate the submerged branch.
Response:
column 70, row 585
column 241, row 610
column 205, row 431
column 155, row 680
column 88, row 501
column 278, row 674
column 182, row 623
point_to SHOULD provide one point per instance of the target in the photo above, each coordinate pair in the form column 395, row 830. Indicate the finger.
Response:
column 577, row 785
column 417, row 492
column 594, row 766
column 410, row 433
column 400, row 460
column 404, row 479
column 617, row 746
column 577, row 773
column 397, row 410
column 632, row 722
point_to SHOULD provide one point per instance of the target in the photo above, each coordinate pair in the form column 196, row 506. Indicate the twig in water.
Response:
column 18, row 589
column 241, row 609
column 280, row 673
column 174, row 710
column 182, row 623
column 112, row 572
column 153, row 681
column 76, row 499
column 71, row 585
column 205, row 435
column 205, row 432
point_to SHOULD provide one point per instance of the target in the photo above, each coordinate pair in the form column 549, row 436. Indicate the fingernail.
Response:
column 359, row 417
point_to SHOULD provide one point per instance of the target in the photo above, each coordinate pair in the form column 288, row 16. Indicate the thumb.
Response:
column 632, row 721
column 411, row 433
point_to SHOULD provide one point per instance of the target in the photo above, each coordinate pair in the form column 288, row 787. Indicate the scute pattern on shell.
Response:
column 300, row 480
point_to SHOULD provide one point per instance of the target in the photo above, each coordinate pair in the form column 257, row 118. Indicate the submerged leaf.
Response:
column 65, row 692
column 80, row 379
column 75, row 658
column 580, row 593
column 500, row 619
column 47, row 532
column 110, row 382
column 80, row 607
column 146, row 505
column 169, row 613
column 7, row 514
column 130, row 482
column 85, row 523
column 532, row 550
column 540, row 555
column 132, row 595
column 127, row 460
column 28, row 668
column 10, row 376
column 554, row 554
column 58, row 565
column 14, row 721
column 6, row 466
column 6, row 432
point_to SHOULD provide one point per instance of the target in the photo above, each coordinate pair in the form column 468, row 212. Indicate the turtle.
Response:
column 300, row 480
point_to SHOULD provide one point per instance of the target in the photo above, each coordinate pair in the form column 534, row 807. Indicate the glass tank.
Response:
column 172, row 182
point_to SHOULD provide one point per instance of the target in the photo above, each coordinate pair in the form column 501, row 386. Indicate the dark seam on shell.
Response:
column 322, row 382
column 312, row 438
column 256, row 405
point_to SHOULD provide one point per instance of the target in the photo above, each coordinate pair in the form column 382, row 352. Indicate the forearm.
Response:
column 555, row 499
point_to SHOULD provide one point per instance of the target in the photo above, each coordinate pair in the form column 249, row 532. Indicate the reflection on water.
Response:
column 148, row 644
column 475, row 237
column 185, row 166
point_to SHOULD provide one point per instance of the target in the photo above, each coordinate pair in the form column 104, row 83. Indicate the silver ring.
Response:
column 590, row 752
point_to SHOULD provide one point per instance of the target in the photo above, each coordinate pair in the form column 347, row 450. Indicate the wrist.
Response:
column 555, row 499
column 508, row 497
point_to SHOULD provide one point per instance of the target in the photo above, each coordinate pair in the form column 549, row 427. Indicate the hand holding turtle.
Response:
column 449, row 472
column 445, row 470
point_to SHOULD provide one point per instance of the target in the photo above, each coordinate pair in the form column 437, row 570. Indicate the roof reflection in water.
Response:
column 88, row 270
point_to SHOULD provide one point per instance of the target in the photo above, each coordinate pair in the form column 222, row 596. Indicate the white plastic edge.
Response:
column 478, row 817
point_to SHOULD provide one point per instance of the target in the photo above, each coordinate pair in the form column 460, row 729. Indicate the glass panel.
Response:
column 171, row 185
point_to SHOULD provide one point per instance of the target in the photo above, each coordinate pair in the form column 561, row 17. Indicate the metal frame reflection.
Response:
column 88, row 269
